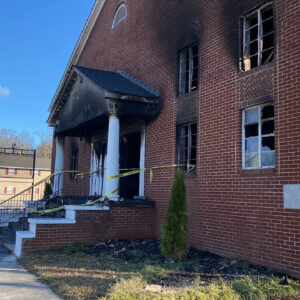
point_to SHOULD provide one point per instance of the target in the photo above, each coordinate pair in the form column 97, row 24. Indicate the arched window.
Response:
column 120, row 15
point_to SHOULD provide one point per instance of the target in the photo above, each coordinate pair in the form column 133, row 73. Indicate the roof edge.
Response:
column 89, row 25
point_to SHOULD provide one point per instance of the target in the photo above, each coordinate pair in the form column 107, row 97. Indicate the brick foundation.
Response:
column 95, row 226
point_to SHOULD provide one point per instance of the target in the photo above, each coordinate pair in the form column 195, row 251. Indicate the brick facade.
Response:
column 232, row 212
column 95, row 226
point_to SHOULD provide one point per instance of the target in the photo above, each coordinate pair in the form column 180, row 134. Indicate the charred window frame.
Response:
column 258, row 137
column 187, row 146
column 74, row 163
column 258, row 37
column 188, row 69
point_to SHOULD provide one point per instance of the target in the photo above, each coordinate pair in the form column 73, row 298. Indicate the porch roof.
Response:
column 87, row 96
column 117, row 82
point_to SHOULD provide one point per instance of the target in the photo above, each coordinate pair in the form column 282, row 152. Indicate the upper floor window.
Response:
column 188, row 69
column 258, row 37
column 187, row 149
column 258, row 137
column 120, row 15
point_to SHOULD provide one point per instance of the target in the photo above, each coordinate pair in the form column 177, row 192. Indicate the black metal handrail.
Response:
column 33, row 198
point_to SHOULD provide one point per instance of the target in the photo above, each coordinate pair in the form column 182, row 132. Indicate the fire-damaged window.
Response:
column 258, row 137
column 258, row 37
column 187, row 146
column 74, row 163
column 188, row 69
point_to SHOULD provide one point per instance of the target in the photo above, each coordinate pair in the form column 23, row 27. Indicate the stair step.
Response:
column 7, row 242
column 16, row 226
column 10, row 233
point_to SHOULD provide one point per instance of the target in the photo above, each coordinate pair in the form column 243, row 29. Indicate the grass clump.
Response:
column 174, row 241
column 265, row 288
column 153, row 273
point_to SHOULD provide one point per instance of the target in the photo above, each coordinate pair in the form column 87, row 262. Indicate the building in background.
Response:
column 16, row 174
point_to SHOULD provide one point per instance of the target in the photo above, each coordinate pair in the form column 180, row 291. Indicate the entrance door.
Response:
column 129, row 159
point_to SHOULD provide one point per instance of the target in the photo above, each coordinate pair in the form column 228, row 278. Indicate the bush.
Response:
column 48, row 189
column 174, row 240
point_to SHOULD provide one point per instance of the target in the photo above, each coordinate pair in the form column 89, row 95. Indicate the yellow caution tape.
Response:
column 47, row 211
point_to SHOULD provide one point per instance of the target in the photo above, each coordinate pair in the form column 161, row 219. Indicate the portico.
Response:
column 111, row 110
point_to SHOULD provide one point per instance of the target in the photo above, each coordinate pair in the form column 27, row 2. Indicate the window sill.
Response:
column 269, row 172
column 190, row 174
column 258, row 69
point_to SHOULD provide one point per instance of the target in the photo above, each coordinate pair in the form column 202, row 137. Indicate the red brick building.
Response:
column 214, row 84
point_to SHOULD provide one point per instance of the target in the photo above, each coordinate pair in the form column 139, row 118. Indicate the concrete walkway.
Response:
column 17, row 284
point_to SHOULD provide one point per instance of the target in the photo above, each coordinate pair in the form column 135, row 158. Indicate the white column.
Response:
column 59, row 165
column 113, row 156
column 142, row 162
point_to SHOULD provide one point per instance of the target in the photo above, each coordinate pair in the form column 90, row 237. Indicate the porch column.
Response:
column 142, row 163
column 113, row 153
column 59, row 165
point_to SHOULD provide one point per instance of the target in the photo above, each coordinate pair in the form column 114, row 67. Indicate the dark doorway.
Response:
column 129, row 159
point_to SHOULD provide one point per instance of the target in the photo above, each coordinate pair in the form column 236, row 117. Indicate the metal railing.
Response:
column 75, row 191
column 15, row 206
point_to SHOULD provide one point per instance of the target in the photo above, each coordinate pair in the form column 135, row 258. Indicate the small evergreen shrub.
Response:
column 174, row 239
column 48, row 189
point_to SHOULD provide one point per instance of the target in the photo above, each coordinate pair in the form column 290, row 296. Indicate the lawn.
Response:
column 122, row 270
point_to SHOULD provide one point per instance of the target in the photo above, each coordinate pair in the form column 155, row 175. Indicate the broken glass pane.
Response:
column 251, row 115
column 251, row 145
column 268, row 112
column 266, row 12
column 267, row 143
column 267, row 127
column 251, row 160
column 251, row 130
column 268, row 159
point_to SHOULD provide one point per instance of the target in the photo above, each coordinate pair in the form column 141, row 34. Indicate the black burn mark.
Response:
column 177, row 25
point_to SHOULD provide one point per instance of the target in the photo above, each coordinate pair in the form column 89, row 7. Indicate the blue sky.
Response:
column 36, row 41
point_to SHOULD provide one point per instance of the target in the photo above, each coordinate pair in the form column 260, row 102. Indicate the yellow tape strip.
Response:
column 47, row 211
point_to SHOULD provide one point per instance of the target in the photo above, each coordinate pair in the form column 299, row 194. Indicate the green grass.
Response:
column 77, row 274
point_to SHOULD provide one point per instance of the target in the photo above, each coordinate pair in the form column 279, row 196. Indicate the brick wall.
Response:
column 232, row 212
column 73, row 186
column 96, row 226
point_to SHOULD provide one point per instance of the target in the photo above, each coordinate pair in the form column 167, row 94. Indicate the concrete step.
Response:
column 7, row 242
column 19, row 226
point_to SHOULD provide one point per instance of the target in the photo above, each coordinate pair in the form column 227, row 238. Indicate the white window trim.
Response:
column 259, row 138
column 10, row 190
column 116, row 22
column 11, row 171
column 259, row 37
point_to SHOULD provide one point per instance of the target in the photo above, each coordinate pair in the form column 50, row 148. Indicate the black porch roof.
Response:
column 117, row 82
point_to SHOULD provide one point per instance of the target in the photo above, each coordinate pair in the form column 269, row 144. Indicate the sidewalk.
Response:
column 17, row 284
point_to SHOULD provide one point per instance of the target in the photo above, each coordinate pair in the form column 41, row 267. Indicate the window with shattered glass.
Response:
column 258, row 37
column 187, row 150
column 258, row 137
column 188, row 69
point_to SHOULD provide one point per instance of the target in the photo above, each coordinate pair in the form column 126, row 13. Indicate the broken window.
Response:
column 188, row 70
column 120, row 15
column 258, row 137
column 74, row 164
column 187, row 150
column 258, row 37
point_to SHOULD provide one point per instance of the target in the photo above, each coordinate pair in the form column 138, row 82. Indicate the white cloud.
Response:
column 4, row 91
